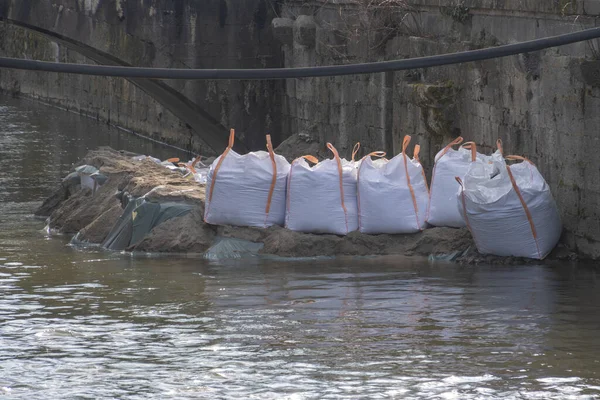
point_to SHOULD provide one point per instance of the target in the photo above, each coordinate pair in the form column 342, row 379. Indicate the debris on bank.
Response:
column 141, row 206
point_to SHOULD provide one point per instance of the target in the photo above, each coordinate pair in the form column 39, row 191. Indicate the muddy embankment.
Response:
column 173, row 222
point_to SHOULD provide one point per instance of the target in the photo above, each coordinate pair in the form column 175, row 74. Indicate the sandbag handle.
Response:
column 405, row 143
column 231, row 138
column 214, row 177
column 519, row 195
column 416, row 152
column 192, row 167
column 499, row 146
column 473, row 147
column 378, row 154
column 340, row 171
column 519, row 158
column 355, row 150
column 521, row 199
column 309, row 158
column 274, row 179
column 455, row 142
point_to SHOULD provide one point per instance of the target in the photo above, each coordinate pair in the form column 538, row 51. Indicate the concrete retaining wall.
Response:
column 543, row 105
column 153, row 33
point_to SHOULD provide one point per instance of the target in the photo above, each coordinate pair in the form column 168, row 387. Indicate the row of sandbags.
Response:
column 331, row 196
column 509, row 209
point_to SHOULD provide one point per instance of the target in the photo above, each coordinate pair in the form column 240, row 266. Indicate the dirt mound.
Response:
column 75, row 209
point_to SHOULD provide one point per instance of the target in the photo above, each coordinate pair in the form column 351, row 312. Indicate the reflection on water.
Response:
column 93, row 324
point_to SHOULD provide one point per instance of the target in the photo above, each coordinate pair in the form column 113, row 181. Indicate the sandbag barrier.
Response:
column 508, row 209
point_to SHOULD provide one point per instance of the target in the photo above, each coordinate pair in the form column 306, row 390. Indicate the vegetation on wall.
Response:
column 370, row 25
column 458, row 12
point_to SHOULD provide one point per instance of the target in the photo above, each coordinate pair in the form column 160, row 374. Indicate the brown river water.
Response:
column 86, row 324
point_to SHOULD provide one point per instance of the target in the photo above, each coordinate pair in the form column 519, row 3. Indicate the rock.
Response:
column 283, row 30
column 305, row 31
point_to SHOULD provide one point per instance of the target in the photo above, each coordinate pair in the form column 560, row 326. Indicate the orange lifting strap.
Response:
column 518, row 192
column 214, row 178
column 274, row 179
column 405, row 144
column 341, row 173
column 355, row 150
column 473, row 147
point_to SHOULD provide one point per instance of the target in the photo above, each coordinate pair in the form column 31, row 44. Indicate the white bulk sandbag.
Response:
column 509, row 215
column 247, row 190
column 392, row 194
column 449, row 163
column 322, row 198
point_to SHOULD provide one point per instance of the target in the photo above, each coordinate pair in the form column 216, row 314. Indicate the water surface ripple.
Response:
column 93, row 324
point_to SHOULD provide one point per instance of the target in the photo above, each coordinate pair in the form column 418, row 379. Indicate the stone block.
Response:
column 305, row 31
column 283, row 29
column 591, row 7
column 590, row 72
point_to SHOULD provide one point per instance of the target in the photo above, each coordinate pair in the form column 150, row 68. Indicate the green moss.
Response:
column 458, row 12
column 566, row 7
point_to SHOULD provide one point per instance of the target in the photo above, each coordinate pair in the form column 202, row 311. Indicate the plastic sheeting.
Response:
column 449, row 163
column 509, row 215
column 199, row 170
column 392, row 194
column 139, row 217
column 85, row 173
column 228, row 248
column 322, row 198
column 247, row 190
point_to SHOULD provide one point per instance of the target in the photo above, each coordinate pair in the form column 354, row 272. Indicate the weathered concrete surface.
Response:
column 93, row 216
column 545, row 105
column 151, row 33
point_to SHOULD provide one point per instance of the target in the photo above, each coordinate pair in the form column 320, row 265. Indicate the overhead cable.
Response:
column 304, row 72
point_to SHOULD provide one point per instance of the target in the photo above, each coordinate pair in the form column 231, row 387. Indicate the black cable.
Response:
column 305, row 72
